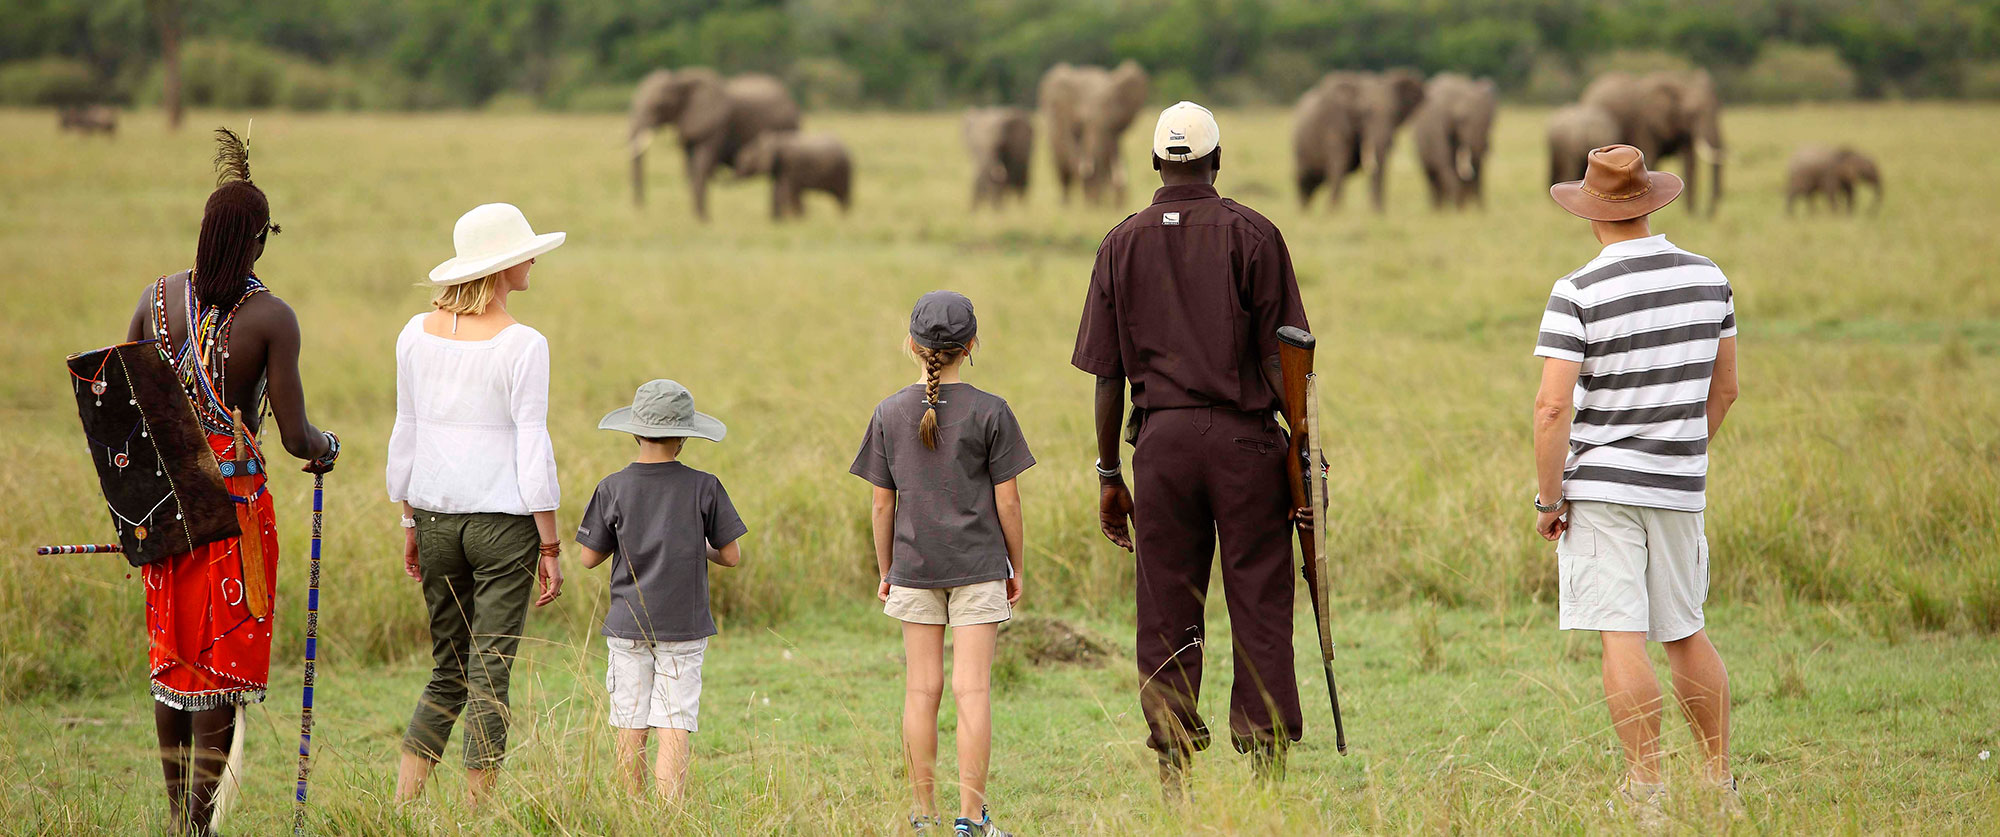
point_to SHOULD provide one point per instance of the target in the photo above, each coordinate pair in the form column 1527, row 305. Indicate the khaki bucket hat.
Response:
column 663, row 409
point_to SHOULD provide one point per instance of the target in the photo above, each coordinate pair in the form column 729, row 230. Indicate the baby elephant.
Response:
column 798, row 163
column 1831, row 172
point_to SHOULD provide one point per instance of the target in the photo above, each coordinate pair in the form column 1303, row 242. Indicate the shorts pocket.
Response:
column 1701, row 567
column 1576, row 553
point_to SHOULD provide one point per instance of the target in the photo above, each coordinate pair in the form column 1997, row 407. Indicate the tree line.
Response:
column 586, row 54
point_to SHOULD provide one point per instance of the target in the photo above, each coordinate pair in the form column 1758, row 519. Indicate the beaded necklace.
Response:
column 202, row 361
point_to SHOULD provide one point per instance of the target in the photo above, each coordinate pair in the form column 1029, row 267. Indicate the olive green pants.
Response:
column 479, row 572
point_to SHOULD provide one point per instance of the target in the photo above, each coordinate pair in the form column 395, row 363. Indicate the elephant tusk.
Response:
column 1712, row 152
column 1465, row 164
column 640, row 142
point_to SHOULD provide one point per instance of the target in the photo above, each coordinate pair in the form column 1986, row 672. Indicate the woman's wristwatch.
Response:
column 1551, row 509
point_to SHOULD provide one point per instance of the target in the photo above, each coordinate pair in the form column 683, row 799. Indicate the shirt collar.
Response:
column 1185, row 192
column 1636, row 247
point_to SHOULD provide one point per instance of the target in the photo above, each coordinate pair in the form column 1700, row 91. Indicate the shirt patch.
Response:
column 1171, row 219
column 583, row 530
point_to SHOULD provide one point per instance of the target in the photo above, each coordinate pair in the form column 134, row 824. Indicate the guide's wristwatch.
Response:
column 1549, row 509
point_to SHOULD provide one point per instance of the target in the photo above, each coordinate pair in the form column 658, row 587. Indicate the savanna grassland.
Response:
column 1854, row 521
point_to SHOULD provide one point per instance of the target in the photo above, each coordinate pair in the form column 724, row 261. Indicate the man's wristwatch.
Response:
column 1110, row 473
column 409, row 522
column 1549, row 509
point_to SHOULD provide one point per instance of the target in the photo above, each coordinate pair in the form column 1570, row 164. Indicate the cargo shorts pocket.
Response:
column 1576, row 553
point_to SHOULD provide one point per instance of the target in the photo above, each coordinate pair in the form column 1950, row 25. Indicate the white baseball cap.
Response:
column 1186, row 131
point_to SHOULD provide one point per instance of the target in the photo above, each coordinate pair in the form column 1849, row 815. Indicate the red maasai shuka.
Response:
column 208, row 651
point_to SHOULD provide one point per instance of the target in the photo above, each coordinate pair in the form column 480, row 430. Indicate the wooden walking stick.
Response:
column 1306, row 468
column 312, row 653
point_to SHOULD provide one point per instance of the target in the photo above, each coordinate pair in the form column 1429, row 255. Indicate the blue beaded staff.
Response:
column 312, row 653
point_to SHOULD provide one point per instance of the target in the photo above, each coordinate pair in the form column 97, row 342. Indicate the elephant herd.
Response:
column 1346, row 122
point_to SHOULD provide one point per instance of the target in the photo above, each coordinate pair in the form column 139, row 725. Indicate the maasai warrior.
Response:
column 233, row 345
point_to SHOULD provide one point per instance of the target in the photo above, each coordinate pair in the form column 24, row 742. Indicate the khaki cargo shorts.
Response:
column 973, row 604
column 1630, row 568
column 655, row 684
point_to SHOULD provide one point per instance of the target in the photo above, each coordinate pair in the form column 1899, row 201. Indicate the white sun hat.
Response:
column 491, row 238
column 1186, row 131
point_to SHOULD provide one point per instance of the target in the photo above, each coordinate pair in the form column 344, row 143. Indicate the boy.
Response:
column 1638, row 371
column 664, row 521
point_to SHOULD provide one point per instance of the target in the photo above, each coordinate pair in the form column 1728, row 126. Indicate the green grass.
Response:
column 1854, row 521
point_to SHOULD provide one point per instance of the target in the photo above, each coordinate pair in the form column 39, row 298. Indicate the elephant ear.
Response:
column 651, row 105
column 705, row 106
column 1129, row 89
column 1406, row 90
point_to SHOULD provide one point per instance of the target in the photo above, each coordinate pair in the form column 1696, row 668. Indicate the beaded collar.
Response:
column 201, row 362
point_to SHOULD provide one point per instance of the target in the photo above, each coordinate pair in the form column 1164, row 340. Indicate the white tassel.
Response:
column 231, row 784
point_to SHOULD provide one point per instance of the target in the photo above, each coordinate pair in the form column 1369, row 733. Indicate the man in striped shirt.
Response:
column 1641, row 344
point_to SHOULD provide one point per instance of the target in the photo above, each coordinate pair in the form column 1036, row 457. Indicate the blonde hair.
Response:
column 934, row 361
column 467, row 297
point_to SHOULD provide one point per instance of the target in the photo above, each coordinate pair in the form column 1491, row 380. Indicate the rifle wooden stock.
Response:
column 1295, row 364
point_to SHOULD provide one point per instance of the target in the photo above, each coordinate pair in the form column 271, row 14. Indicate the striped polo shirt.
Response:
column 1643, row 318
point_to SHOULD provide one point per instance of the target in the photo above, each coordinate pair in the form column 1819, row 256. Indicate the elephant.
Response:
column 799, row 163
column 1819, row 170
column 1451, row 129
column 715, row 117
column 88, row 119
column 1574, row 132
column 1001, row 140
column 1086, row 111
column 1664, row 114
column 1342, row 116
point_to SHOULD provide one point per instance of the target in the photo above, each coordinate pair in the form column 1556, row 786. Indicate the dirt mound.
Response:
column 1040, row 640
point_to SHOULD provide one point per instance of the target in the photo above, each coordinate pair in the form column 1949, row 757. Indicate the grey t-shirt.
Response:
column 947, row 526
column 658, row 519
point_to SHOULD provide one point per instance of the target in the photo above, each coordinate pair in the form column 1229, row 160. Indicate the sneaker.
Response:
column 965, row 827
column 924, row 823
column 1644, row 802
column 1730, row 801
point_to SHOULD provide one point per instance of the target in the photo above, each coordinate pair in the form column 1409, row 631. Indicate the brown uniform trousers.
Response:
column 1200, row 473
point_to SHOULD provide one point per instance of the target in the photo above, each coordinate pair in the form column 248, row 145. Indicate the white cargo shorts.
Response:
column 1631, row 568
column 655, row 684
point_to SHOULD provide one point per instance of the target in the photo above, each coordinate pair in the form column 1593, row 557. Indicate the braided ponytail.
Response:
column 934, row 360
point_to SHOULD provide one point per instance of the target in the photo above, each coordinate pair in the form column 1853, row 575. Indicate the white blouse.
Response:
column 472, row 430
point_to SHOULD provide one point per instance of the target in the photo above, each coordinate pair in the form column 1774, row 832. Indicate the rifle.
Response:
column 1305, row 467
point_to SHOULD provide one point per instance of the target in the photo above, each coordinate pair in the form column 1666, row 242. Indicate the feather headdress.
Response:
column 232, row 157
column 233, row 226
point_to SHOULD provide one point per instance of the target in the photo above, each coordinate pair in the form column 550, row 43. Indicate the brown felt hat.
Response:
column 1617, row 187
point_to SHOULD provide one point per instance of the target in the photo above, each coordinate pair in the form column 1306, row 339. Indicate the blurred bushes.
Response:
column 48, row 81
column 568, row 54
column 1791, row 73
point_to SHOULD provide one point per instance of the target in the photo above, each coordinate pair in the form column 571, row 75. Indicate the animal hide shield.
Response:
column 160, row 479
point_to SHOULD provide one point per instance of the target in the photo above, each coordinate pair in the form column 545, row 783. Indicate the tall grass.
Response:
column 1862, row 464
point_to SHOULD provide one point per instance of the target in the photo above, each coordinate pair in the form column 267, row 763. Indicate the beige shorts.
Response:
column 655, row 684
column 1630, row 568
column 972, row 604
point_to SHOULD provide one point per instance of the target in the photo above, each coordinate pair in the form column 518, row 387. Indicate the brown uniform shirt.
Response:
column 1185, row 301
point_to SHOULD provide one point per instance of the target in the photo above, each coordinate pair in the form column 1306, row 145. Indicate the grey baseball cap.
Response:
column 943, row 320
column 663, row 409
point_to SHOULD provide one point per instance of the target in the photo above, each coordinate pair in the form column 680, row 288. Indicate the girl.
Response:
column 943, row 457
